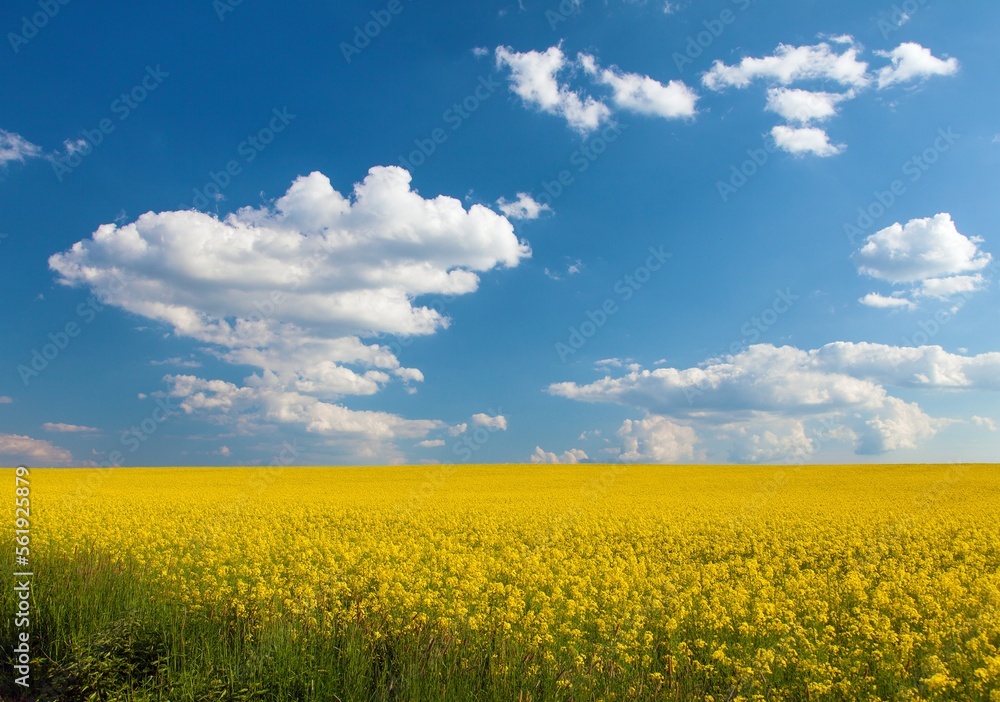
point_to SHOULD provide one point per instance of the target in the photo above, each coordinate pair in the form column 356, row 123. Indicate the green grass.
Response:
column 101, row 633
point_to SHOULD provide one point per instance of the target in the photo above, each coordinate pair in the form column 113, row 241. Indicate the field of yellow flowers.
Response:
column 584, row 582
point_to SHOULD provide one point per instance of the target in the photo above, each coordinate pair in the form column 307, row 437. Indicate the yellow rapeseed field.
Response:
column 721, row 582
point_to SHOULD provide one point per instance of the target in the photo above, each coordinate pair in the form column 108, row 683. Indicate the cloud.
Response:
column 911, row 62
column 985, row 423
column 891, row 302
column 840, row 39
column 779, row 441
column 921, row 249
column 431, row 443
column 641, row 94
column 341, row 266
column 524, row 207
column 490, row 422
column 14, row 147
column 573, row 267
column 929, row 367
column 898, row 425
column 24, row 449
column 533, row 79
column 5, row 400
column 804, row 106
column 571, row 456
column 292, row 288
column 177, row 361
column 68, row 428
column 945, row 288
column 930, row 256
column 656, row 440
column 840, row 65
column 792, row 63
column 627, row 363
column 457, row 429
column 804, row 140
column 264, row 399
column 843, row 382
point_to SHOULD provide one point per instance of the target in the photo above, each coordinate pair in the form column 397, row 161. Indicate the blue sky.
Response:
column 732, row 231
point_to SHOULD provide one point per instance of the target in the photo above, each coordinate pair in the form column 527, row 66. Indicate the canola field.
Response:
column 515, row 582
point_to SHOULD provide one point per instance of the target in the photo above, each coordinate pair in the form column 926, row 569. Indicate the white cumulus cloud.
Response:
column 33, row 452
column 929, row 256
column 14, row 147
column 843, row 383
column 893, row 301
column 534, row 76
column 641, row 94
column 780, row 441
column 911, row 62
column 804, row 106
column 792, row 63
column 264, row 400
column 838, row 64
column 570, row 456
column 292, row 289
column 804, row 140
column 656, row 440
column 925, row 248
column 524, row 207
column 490, row 421
column 533, row 79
